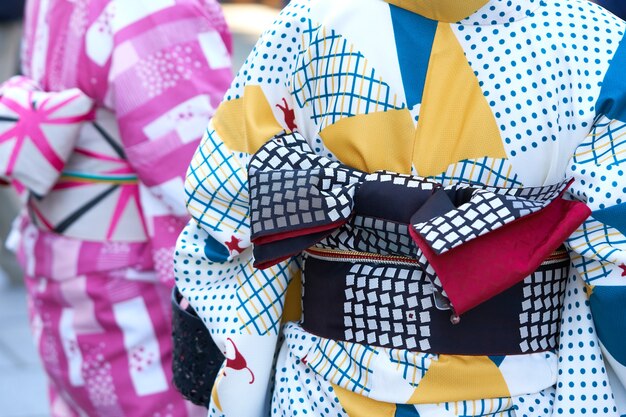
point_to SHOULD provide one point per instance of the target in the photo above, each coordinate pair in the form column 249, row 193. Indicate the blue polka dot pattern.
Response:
column 271, row 62
column 298, row 391
column 542, row 75
column 582, row 384
column 535, row 405
column 208, row 292
column 501, row 11
column 598, row 166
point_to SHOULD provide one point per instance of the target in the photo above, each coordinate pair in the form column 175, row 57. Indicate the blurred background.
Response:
column 23, row 390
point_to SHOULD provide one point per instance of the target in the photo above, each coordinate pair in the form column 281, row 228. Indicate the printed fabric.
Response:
column 313, row 198
column 97, row 136
column 112, row 119
column 485, row 93
column 102, row 328
column 40, row 129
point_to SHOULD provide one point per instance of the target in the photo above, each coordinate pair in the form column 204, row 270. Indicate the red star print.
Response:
column 233, row 245
column 624, row 270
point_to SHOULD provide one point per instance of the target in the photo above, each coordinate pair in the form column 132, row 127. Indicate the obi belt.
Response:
column 400, row 261
column 65, row 157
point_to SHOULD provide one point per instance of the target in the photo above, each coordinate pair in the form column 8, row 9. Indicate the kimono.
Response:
column 439, row 186
column 96, row 137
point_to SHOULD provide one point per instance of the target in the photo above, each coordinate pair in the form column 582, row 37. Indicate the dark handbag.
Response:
column 197, row 359
column 11, row 10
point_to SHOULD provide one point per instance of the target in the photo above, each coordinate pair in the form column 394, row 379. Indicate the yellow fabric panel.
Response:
column 456, row 122
column 293, row 299
column 357, row 405
column 375, row 141
column 442, row 10
column 457, row 378
column 246, row 123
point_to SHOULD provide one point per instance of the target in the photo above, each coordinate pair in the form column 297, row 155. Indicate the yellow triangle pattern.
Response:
column 455, row 122
column 246, row 123
column 458, row 378
column 356, row 405
column 374, row 141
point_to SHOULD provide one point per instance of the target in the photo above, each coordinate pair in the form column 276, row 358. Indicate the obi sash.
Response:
column 64, row 155
column 391, row 304
column 38, row 132
column 471, row 241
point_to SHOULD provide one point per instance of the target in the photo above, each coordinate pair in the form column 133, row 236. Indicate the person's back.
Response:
column 97, row 137
column 410, row 157
column 156, row 71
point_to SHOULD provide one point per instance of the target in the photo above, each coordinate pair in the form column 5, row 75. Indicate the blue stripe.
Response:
column 414, row 42
column 612, row 100
column 607, row 307
column 613, row 216
column 406, row 410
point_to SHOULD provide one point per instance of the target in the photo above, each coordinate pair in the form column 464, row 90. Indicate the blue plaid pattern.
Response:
column 337, row 81
column 500, row 407
column 216, row 187
column 598, row 165
column 412, row 365
column 596, row 246
column 310, row 32
column 486, row 171
column 590, row 269
column 344, row 364
column 261, row 297
column 606, row 144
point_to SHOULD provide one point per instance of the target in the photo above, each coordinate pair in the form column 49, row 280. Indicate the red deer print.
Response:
column 289, row 115
column 238, row 363
column 233, row 245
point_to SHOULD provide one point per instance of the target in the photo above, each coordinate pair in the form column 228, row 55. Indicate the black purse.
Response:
column 11, row 10
column 197, row 359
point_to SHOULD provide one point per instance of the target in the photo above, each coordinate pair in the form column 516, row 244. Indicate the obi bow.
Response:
column 38, row 131
column 471, row 241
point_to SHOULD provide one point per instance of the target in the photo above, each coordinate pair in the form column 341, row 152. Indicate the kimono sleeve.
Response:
column 599, row 245
column 170, row 68
column 241, row 306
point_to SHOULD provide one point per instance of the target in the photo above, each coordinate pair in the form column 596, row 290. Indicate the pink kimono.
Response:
column 97, row 137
